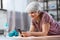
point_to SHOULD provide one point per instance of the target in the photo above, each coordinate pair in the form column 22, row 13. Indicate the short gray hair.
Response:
column 34, row 6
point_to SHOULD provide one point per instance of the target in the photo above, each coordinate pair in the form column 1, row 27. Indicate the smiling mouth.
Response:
column 32, row 16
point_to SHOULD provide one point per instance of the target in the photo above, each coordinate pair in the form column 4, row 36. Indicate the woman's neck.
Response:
column 38, row 19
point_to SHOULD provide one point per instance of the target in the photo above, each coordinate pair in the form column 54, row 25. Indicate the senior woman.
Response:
column 42, row 23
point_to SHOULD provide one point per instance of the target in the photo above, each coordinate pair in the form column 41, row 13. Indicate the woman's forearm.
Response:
column 38, row 34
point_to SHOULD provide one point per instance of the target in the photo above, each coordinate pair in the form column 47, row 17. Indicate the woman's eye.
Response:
column 32, row 12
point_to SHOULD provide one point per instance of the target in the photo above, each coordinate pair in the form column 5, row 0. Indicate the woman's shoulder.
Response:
column 46, row 14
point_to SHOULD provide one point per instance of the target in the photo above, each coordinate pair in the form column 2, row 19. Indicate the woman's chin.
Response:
column 33, row 18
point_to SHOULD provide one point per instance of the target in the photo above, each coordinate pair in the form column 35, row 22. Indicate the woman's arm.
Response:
column 32, row 28
column 45, row 29
column 26, row 34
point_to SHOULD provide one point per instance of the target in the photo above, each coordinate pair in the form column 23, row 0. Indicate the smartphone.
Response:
column 19, row 30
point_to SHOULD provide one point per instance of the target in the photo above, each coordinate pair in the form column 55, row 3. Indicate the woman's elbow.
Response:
column 44, row 34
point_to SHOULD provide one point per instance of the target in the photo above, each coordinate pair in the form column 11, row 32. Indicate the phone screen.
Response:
column 20, row 32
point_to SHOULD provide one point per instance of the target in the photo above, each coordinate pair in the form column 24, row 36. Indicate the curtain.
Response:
column 18, row 20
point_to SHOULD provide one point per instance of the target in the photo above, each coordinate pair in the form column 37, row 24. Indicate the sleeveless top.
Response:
column 46, row 18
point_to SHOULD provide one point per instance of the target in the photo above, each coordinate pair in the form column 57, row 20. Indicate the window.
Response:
column 15, row 5
column 1, row 6
column 53, row 8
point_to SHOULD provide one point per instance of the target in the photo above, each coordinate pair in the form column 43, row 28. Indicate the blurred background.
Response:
column 13, row 15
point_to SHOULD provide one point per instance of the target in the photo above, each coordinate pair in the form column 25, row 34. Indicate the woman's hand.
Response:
column 26, row 34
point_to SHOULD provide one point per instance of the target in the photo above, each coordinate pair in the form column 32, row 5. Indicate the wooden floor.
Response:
column 46, row 38
column 57, row 37
column 42, row 38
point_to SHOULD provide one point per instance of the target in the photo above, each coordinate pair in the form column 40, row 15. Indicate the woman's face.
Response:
column 33, row 15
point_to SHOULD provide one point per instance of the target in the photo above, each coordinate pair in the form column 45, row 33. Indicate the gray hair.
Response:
column 34, row 6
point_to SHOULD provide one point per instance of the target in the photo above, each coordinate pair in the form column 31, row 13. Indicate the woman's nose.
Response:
column 32, row 14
